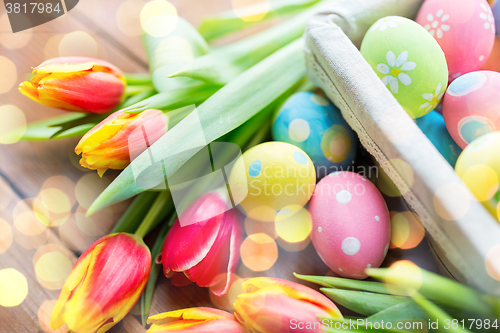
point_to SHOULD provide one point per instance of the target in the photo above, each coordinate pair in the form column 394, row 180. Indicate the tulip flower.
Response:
column 119, row 138
column 103, row 286
column 195, row 320
column 206, row 247
column 271, row 305
column 76, row 84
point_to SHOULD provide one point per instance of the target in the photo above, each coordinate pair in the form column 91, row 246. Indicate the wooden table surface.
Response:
column 37, row 175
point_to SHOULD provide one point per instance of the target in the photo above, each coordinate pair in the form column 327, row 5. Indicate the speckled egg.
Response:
column 434, row 128
column 351, row 224
column 315, row 125
column 464, row 29
column 409, row 62
column 471, row 106
column 273, row 178
column 479, row 168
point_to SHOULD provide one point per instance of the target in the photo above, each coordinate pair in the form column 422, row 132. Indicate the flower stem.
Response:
column 158, row 210
column 138, row 79
column 135, row 212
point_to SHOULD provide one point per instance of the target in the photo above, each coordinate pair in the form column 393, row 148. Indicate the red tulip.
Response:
column 76, row 84
column 104, row 285
column 271, row 305
column 120, row 138
column 206, row 247
column 195, row 320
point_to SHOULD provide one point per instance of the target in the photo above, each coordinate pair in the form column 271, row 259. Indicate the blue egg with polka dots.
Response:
column 310, row 122
column 434, row 127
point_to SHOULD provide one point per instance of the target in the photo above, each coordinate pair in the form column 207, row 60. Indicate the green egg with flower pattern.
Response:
column 409, row 62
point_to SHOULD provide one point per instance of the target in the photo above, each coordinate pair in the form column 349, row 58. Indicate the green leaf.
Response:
column 236, row 102
column 342, row 283
column 363, row 303
column 437, row 288
column 159, row 210
column 225, row 63
column 172, row 52
column 138, row 79
column 405, row 312
column 436, row 313
column 135, row 213
column 174, row 98
column 147, row 295
column 227, row 22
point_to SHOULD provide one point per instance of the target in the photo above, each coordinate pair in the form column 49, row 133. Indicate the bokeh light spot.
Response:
column 5, row 236
column 55, row 201
column 88, row 188
column 96, row 225
column 451, row 201
column 78, row 43
column 482, row 180
column 53, row 267
column 127, row 19
column 255, row 227
column 251, row 10
column 158, row 18
column 13, row 287
column 226, row 302
column 407, row 230
column 29, row 224
column 294, row 228
column 13, row 41
column 404, row 276
column 9, row 74
column 259, row 252
column 13, row 124
column 492, row 262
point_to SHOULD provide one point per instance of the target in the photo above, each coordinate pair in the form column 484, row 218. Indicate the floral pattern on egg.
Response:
column 415, row 73
column 464, row 29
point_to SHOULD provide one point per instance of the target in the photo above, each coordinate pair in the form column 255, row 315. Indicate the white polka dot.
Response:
column 351, row 246
column 299, row 130
column 320, row 229
column 377, row 218
column 363, row 179
column 481, row 58
column 369, row 266
column 343, row 196
column 340, row 269
column 319, row 100
column 386, row 249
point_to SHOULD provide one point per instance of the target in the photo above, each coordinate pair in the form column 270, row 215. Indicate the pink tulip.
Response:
column 206, row 247
column 271, row 305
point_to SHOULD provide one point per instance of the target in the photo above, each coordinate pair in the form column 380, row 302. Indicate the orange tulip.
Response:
column 119, row 138
column 195, row 320
column 76, row 84
column 271, row 305
column 103, row 286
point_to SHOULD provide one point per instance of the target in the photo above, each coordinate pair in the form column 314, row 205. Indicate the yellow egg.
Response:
column 272, row 179
column 479, row 168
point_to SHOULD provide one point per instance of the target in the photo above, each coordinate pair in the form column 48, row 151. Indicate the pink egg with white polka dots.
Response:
column 465, row 30
column 351, row 224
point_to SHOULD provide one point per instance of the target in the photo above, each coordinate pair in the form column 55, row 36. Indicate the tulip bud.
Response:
column 195, row 320
column 76, row 84
column 206, row 246
column 271, row 305
column 103, row 286
column 119, row 138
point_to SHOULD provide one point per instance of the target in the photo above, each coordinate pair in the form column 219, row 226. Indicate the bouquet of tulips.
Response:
column 137, row 122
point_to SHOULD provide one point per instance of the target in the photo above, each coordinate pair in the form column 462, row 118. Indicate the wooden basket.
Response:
column 460, row 229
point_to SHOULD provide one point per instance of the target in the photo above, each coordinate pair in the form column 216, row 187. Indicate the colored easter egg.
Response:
column 496, row 13
column 464, row 29
column 493, row 62
column 409, row 61
column 434, row 128
column 471, row 106
column 315, row 125
column 351, row 224
column 479, row 168
column 273, row 178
